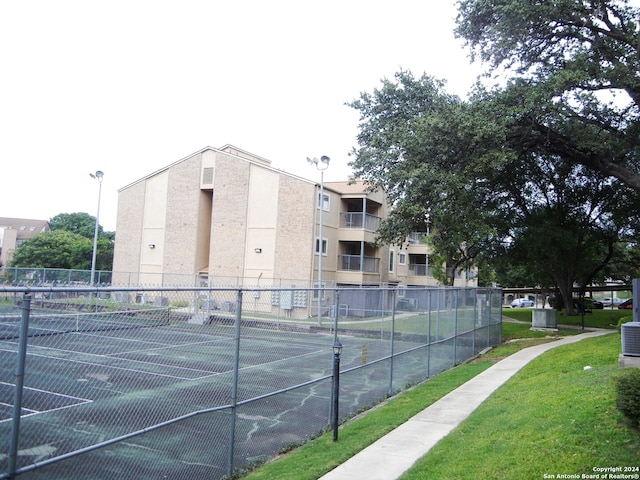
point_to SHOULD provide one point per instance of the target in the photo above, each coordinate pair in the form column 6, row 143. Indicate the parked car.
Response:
column 597, row 305
column 626, row 305
column 521, row 302
column 608, row 301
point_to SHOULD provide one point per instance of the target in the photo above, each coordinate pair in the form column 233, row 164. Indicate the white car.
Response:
column 521, row 302
column 608, row 301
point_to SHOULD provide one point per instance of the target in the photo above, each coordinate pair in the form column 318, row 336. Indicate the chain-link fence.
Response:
column 186, row 383
column 52, row 277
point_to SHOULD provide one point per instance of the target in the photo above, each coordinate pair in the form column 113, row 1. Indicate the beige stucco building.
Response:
column 226, row 217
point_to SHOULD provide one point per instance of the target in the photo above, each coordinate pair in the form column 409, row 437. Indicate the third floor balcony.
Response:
column 359, row 220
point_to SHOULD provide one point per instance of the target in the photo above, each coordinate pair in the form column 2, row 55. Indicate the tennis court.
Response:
column 169, row 391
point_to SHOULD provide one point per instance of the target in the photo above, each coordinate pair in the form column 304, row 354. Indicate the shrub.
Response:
column 624, row 320
column 628, row 400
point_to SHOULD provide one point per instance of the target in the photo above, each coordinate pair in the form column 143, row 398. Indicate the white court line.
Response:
column 207, row 374
column 110, row 357
column 49, row 391
column 95, row 364
column 78, row 401
column 10, row 405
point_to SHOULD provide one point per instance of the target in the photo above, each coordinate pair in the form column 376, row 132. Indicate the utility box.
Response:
column 544, row 318
column 631, row 339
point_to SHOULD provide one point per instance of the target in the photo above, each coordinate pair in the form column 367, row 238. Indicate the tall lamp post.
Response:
column 321, row 165
column 98, row 176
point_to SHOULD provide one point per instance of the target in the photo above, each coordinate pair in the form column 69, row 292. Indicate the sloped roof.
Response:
column 25, row 227
column 227, row 149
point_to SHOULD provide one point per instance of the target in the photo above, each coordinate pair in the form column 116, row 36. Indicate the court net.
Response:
column 61, row 323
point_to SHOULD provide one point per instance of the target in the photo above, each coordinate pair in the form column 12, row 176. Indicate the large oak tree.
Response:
column 579, row 63
column 460, row 166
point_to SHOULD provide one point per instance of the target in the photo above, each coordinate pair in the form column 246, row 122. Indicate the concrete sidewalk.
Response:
column 397, row 451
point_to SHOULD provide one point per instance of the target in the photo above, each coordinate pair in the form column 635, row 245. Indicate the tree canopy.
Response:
column 541, row 171
column 55, row 249
column 69, row 245
column 578, row 62
column 487, row 192
column 80, row 223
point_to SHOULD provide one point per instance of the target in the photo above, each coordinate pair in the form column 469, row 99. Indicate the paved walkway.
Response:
column 397, row 451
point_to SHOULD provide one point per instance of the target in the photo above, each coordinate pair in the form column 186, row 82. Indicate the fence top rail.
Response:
column 142, row 289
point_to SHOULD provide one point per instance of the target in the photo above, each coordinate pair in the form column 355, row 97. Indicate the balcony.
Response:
column 359, row 220
column 420, row 270
column 416, row 237
column 357, row 263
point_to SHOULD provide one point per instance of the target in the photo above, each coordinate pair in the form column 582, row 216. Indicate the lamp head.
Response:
column 324, row 159
column 337, row 347
column 99, row 174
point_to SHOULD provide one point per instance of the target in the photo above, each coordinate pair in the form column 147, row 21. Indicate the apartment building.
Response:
column 227, row 217
column 14, row 231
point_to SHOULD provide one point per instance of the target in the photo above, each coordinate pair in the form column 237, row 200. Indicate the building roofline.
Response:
column 266, row 164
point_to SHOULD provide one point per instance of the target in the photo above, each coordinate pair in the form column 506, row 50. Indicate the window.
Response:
column 324, row 246
column 391, row 252
column 402, row 258
column 324, row 202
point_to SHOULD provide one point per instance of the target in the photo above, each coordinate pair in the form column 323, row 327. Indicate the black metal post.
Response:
column 336, row 393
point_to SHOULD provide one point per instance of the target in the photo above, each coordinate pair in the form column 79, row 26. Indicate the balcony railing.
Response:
column 356, row 263
column 416, row 237
column 420, row 269
column 361, row 220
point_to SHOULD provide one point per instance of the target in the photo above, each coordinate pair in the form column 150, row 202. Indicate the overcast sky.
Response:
column 129, row 87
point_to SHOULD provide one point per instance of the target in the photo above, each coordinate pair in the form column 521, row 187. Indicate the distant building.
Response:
column 226, row 217
column 14, row 231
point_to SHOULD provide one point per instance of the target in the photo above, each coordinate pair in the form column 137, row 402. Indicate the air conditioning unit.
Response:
column 631, row 339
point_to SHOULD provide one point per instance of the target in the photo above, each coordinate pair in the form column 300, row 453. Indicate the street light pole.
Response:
column 321, row 165
column 98, row 176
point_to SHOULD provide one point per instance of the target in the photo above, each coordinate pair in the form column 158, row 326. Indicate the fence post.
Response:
column 455, row 328
column 392, row 337
column 429, row 342
column 234, row 384
column 336, row 312
column 475, row 319
column 19, row 379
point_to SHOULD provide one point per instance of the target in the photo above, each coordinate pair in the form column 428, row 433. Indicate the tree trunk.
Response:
column 566, row 290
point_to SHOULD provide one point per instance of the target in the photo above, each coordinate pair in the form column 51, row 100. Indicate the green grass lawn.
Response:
column 606, row 318
column 553, row 417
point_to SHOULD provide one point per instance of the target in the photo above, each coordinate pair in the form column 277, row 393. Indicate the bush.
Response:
column 628, row 400
column 624, row 320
